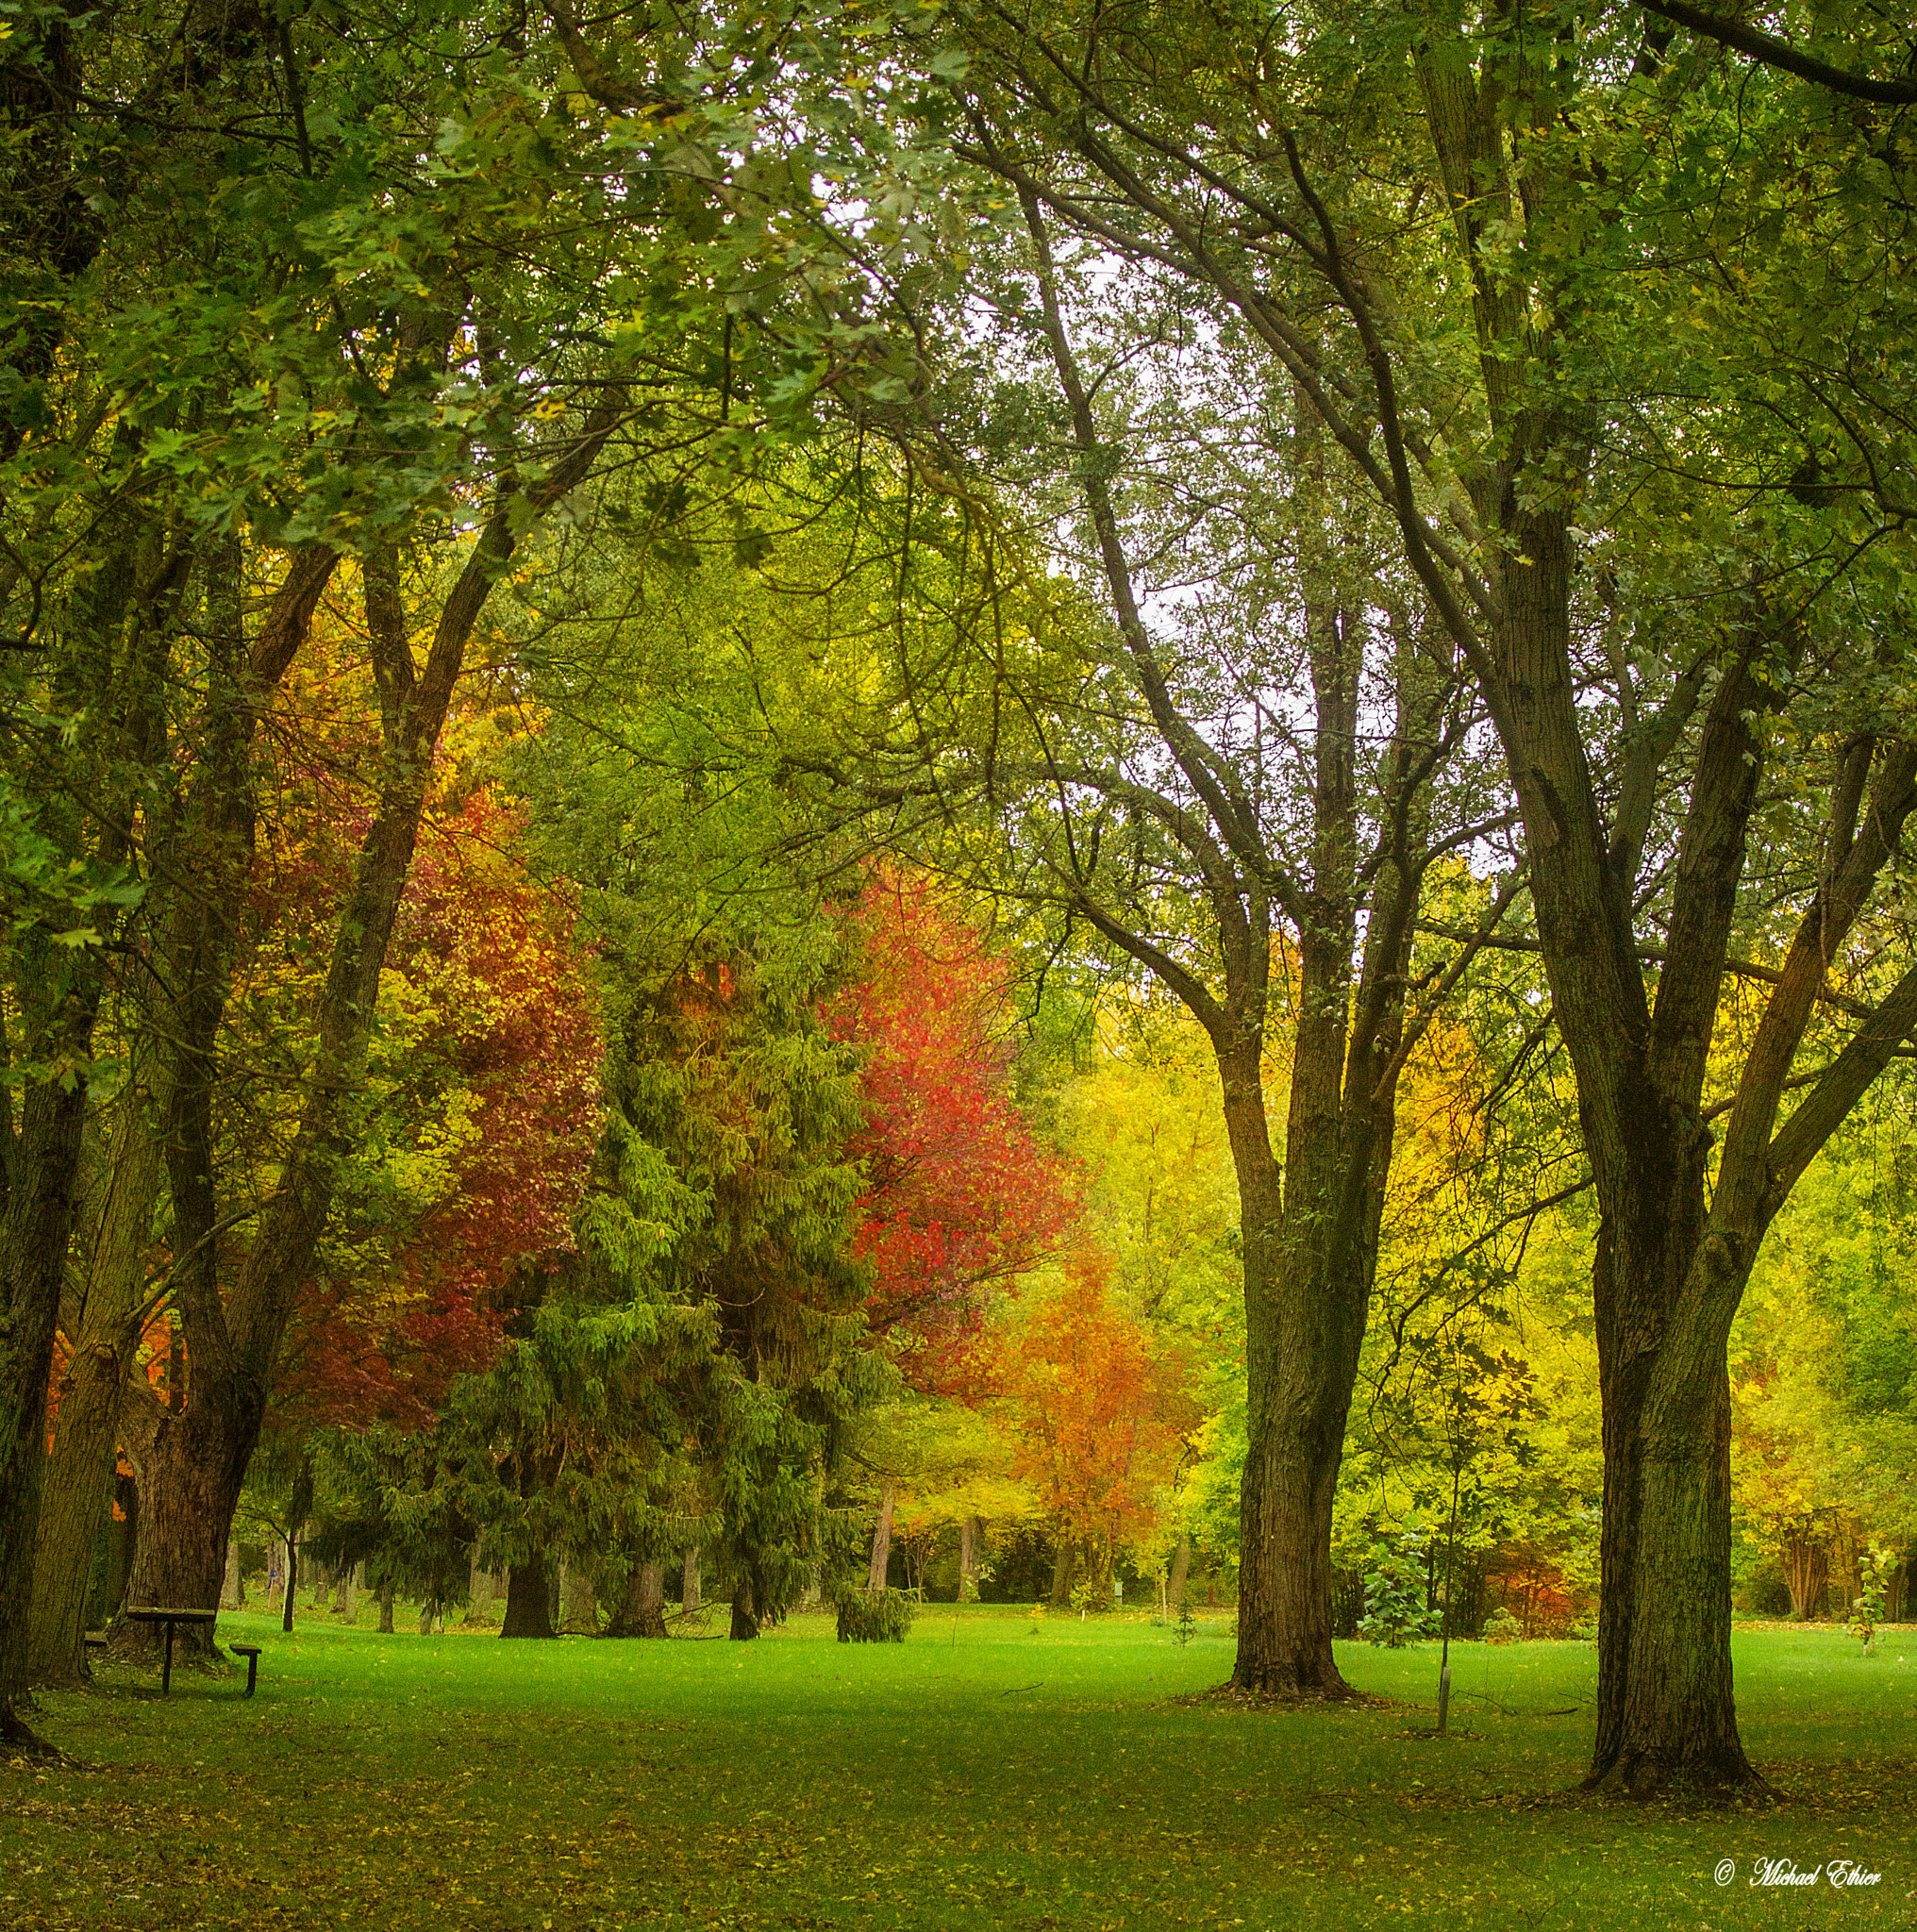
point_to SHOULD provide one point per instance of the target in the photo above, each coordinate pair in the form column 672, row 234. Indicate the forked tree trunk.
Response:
column 70, row 1517
column 1309, row 1248
column 528, row 1600
column 1807, row 1574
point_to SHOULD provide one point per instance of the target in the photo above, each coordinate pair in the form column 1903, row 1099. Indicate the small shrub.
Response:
column 881, row 1616
column 1867, row 1606
column 1184, row 1624
column 1502, row 1627
column 1394, row 1609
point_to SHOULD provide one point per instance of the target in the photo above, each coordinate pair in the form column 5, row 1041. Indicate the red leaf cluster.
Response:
column 959, row 1192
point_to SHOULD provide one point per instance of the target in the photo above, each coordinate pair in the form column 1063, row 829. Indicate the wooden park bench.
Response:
column 251, row 1653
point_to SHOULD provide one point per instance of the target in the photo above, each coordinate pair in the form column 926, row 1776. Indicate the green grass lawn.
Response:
column 996, row 1771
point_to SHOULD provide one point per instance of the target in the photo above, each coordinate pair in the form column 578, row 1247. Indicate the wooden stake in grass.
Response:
column 1450, row 1551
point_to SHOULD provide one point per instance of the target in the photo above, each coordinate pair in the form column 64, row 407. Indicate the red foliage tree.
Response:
column 503, row 1020
column 959, row 1192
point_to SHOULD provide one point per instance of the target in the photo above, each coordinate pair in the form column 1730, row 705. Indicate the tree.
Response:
column 306, row 326
column 959, row 1193
column 1133, row 758
column 1101, row 1410
column 1498, row 385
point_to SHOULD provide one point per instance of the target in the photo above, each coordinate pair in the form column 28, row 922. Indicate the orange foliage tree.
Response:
column 1101, row 1410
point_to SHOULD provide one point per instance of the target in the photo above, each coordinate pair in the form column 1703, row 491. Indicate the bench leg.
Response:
column 252, row 1673
column 166, row 1667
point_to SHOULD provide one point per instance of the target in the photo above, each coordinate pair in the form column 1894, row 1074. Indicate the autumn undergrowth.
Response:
column 997, row 1770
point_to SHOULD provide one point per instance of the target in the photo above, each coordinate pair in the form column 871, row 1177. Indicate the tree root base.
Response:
column 1642, row 1778
column 20, row 1741
column 1342, row 1698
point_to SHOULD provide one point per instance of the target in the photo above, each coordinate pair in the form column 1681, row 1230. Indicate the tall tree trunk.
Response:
column 881, row 1539
column 688, row 1583
column 122, row 1536
column 641, row 1609
column 346, row 1602
column 482, row 1585
column 578, row 1605
column 528, row 1600
column 1806, row 1572
column 744, row 1613
column 86, row 1429
column 1181, row 1573
column 232, row 1588
column 190, row 1471
column 41, row 1174
column 386, row 1593
column 70, row 1520
column 1064, row 1561
column 970, row 1548
column 1665, row 1706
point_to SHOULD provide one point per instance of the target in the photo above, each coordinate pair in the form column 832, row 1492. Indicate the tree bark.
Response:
column 1807, row 1574
column 641, row 1609
column 41, row 1173
column 85, row 1431
column 232, row 1587
column 970, row 1548
column 123, row 1538
column 1181, row 1573
column 881, row 1539
column 190, row 1469
column 578, row 1605
column 688, row 1583
column 1064, row 1561
column 386, row 1593
column 346, row 1600
column 482, row 1585
column 528, row 1600
column 744, row 1613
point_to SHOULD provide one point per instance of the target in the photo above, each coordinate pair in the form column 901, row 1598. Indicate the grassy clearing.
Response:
column 996, row 1771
